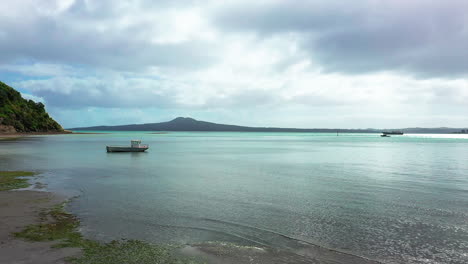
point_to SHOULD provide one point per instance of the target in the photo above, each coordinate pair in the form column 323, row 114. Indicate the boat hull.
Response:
column 393, row 133
column 125, row 149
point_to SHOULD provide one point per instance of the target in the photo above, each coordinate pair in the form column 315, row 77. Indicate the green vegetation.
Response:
column 57, row 225
column 10, row 180
column 24, row 115
column 129, row 252
column 54, row 224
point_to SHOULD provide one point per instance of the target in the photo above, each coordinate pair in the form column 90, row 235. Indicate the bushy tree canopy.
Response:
column 24, row 115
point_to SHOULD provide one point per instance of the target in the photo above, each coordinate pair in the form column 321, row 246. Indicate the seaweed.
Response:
column 55, row 224
column 10, row 180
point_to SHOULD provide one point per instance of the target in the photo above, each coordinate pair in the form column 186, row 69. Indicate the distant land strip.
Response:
column 190, row 124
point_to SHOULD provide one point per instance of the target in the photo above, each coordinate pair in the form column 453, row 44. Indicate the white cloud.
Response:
column 253, row 66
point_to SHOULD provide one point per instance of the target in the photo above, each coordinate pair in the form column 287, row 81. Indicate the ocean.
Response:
column 402, row 199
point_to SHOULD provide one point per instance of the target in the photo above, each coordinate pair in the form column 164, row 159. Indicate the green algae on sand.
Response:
column 130, row 251
column 10, row 180
column 55, row 224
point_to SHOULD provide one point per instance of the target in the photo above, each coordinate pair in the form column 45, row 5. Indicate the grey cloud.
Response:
column 274, row 17
column 319, row 101
column 122, row 92
column 74, row 38
column 439, row 94
column 423, row 38
column 107, row 8
column 109, row 92
column 243, row 98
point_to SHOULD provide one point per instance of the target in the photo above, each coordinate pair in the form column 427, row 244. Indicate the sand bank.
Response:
column 17, row 210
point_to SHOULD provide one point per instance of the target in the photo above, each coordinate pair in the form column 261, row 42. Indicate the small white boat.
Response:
column 135, row 146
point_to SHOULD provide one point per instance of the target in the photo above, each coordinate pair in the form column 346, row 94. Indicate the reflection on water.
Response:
column 399, row 199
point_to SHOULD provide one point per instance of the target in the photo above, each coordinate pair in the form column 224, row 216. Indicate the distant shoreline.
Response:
column 187, row 124
column 24, row 134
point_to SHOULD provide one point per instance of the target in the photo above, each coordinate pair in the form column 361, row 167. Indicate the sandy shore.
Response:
column 21, row 208
column 17, row 210
column 20, row 134
column 66, row 132
column 45, row 213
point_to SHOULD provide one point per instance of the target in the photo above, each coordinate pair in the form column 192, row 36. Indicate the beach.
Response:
column 19, row 209
column 22, row 211
column 32, row 134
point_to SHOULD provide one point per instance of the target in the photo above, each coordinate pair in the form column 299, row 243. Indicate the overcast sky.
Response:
column 336, row 64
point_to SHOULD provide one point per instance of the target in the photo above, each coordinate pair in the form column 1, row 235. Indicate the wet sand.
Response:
column 21, row 208
column 17, row 210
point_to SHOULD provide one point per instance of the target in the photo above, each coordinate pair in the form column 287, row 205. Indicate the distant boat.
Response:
column 135, row 146
column 384, row 135
column 392, row 133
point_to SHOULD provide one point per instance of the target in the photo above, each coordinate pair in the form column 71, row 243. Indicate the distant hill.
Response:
column 20, row 115
column 190, row 124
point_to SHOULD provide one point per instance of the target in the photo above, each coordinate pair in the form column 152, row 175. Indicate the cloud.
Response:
column 32, row 97
column 110, row 92
column 106, row 34
column 39, row 69
column 201, row 90
column 422, row 38
column 253, row 63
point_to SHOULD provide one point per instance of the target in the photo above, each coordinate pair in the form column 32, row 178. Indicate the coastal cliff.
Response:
column 20, row 115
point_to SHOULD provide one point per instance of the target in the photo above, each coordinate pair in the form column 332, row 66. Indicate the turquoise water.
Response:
column 402, row 199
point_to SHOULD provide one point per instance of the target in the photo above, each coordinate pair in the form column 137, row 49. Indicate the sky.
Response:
column 290, row 63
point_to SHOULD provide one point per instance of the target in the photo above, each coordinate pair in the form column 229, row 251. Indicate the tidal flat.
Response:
column 36, row 228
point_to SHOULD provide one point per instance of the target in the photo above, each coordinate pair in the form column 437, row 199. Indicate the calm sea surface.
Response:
column 402, row 199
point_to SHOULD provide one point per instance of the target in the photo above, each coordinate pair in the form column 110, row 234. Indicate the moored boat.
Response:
column 135, row 146
column 392, row 133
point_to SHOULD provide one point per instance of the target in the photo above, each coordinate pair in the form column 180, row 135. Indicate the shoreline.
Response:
column 18, row 210
column 25, row 134
column 35, row 228
column 21, row 208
